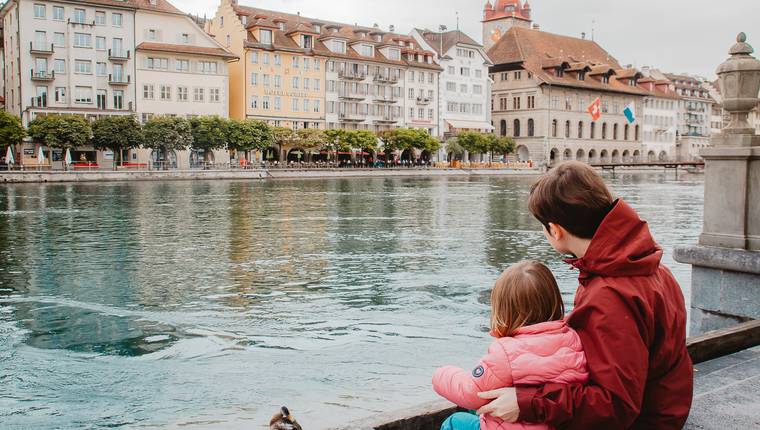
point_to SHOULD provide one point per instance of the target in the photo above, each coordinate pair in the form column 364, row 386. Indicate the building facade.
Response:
column 659, row 118
column 464, row 84
column 500, row 16
column 694, row 117
column 543, row 86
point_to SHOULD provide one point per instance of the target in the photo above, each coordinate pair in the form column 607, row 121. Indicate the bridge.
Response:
column 649, row 164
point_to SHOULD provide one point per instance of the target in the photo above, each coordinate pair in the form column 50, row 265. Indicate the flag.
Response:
column 595, row 109
column 9, row 157
column 630, row 113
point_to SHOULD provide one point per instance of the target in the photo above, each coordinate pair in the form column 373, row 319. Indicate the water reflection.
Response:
column 174, row 304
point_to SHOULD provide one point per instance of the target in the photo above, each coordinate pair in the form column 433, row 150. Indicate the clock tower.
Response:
column 500, row 16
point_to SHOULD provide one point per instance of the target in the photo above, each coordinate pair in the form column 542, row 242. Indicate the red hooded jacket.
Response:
column 631, row 318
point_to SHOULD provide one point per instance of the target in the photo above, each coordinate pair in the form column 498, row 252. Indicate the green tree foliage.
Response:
column 249, row 135
column 500, row 144
column 60, row 131
column 165, row 133
column 11, row 130
column 209, row 132
column 474, row 142
column 402, row 139
column 335, row 140
column 310, row 138
column 284, row 136
column 360, row 140
column 116, row 133
column 454, row 148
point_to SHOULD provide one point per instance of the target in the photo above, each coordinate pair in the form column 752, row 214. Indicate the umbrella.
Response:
column 40, row 156
column 9, row 157
column 67, row 158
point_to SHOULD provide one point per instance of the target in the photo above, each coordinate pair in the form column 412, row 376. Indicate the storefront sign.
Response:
column 108, row 155
column 29, row 152
column 57, row 154
column 285, row 93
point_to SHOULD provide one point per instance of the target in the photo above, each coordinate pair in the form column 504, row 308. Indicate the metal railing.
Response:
column 119, row 54
column 41, row 48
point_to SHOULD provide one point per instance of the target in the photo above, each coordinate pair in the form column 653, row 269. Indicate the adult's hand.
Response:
column 503, row 406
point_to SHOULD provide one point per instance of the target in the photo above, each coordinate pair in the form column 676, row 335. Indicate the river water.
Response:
column 210, row 304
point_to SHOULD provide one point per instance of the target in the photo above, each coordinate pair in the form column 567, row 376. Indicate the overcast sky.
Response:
column 676, row 36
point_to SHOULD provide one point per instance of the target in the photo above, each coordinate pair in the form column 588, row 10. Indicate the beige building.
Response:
column 695, row 116
column 660, row 119
column 180, row 71
column 543, row 85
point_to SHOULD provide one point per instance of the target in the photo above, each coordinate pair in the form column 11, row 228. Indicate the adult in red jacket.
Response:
column 629, row 313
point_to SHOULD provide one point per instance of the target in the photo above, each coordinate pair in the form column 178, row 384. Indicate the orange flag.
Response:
column 595, row 109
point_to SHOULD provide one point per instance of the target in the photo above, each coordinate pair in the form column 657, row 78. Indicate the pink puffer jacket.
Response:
column 538, row 354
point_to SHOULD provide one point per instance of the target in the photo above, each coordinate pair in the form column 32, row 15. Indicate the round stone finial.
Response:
column 741, row 47
column 741, row 38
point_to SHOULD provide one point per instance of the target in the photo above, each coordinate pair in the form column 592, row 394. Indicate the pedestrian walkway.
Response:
column 727, row 393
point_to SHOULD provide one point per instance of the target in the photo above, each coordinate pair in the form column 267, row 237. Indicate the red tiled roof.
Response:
column 540, row 53
column 506, row 8
column 352, row 34
column 450, row 39
column 186, row 49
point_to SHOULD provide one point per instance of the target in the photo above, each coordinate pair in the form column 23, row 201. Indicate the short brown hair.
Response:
column 525, row 294
column 572, row 195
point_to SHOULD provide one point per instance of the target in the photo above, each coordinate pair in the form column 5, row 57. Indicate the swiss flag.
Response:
column 595, row 109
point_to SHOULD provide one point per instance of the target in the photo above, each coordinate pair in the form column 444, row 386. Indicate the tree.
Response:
column 248, row 135
column 60, row 131
column 454, row 148
column 474, row 142
column 360, row 140
column 284, row 136
column 116, row 133
column 500, row 145
column 11, row 130
column 209, row 132
column 164, row 134
column 310, row 138
column 335, row 141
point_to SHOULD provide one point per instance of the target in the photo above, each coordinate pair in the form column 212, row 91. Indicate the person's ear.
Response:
column 557, row 231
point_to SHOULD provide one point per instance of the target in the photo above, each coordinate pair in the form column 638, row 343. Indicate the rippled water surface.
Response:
column 210, row 304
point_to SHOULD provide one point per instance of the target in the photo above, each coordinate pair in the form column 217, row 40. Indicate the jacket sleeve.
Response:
column 462, row 387
column 612, row 331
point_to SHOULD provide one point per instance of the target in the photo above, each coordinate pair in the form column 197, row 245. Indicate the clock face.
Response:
column 496, row 33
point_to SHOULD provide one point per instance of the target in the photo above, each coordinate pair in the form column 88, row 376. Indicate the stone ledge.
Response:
column 734, row 260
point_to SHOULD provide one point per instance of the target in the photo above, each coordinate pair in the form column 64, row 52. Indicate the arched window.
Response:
column 604, row 131
column 593, row 130
column 554, row 128
column 636, row 133
column 567, row 129
column 516, row 128
column 504, row 127
column 580, row 129
column 626, row 129
column 614, row 132
column 531, row 127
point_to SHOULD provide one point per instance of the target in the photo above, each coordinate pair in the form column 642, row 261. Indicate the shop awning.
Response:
column 469, row 125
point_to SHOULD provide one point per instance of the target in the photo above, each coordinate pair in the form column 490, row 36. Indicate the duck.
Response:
column 282, row 420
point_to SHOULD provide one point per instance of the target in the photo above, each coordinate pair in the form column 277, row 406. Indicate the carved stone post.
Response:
column 726, row 263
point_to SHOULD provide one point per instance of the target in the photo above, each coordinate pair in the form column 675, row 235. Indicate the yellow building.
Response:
column 281, row 76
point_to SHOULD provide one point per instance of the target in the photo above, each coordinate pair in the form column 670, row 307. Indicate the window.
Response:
column 317, row 64
column 59, row 39
column 295, row 82
column 228, row 41
column 80, row 17
column 148, row 92
column 604, row 131
column 100, row 43
column 296, row 61
column 306, row 105
column 580, row 130
column 265, row 103
column 58, row 13
column 182, row 94
column 567, row 129
column 100, row 18
column 516, row 103
column 430, row 114
column 83, row 66
column 265, row 36
column 463, row 88
column 531, row 102
column 118, row 99
column 518, row 76
column 338, row 46
column 165, row 93
column 516, row 128
column 593, row 131
column 59, row 65
column 265, row 80
column 317, row 105
column 151, row 34
column 277, row 81
column 277, row 103
column 198, row 94
column 83, row 95
column 215, row 95
column 60, row 94
column 452, row 70
column 265, row 58
column 183, row 65
column 554, row 128
column 531, row 127
column 464, row 71
column 477, row 89
column 157, row 63
column 254, row 57
column 451, row 86
column 614, row 132
column 185, row 38
column 411, row 93
column 316, row 85
column 116, row 19
column 82, row 40
column 39, row 11
column 307, row 42
column 367, row 50
column 101, row 69
column 306, row 83
column 294, row 105
column 277, row 59
column 101, row 99
column 254, row 78
column 207, row 67
column 254, row 102
column 503, row 127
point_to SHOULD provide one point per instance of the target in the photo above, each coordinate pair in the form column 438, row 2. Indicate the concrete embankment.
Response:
column 260, row 174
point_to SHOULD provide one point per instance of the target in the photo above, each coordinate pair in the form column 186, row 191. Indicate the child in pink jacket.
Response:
column 533, row 346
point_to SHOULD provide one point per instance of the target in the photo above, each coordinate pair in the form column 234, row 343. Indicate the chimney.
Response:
column 536, row 26
column 583, row 35
column 392, row 28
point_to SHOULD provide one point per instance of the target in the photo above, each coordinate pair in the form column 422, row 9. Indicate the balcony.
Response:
column 119, row 80
column 41, row 48
column 119, row 55
column 351, row 95
column 351, row 117
column 385, row 79
column 386, row 99
column 42, row 75
column 351, row 75
column 39, row 101
column 387, row 119
column 423, row 100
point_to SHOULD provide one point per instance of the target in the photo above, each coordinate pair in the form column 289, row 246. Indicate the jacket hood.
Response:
column 621, row 247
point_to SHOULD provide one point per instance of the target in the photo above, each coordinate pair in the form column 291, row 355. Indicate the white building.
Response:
column 465, row 86
column 181, row 71
column 695, row 116
column 660, row 120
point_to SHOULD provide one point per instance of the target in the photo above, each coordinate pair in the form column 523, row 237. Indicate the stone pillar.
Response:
column 726, row 262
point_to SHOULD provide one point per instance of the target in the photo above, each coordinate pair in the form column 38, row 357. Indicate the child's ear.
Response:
column 556, row 231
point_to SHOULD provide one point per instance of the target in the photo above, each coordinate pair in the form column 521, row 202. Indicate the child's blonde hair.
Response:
column 525, row 294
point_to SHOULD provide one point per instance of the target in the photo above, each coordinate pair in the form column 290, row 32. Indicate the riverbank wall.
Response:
column 252, row 174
